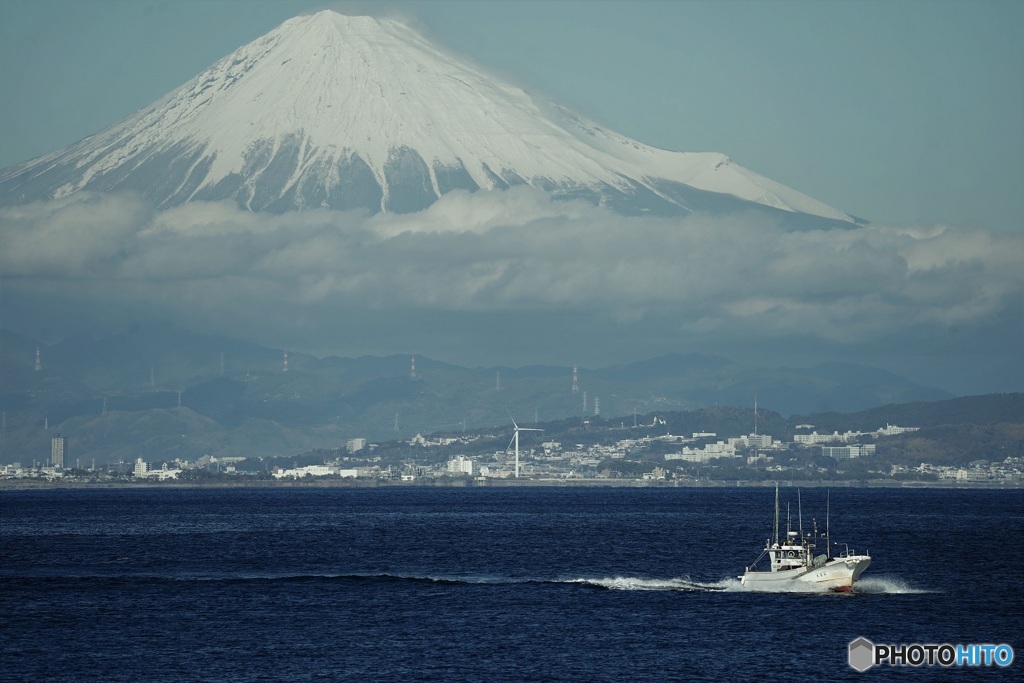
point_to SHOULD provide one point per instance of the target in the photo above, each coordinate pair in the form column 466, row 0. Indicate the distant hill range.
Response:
column 166, row 393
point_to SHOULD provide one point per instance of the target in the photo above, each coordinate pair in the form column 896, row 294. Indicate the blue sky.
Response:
column 904, row 113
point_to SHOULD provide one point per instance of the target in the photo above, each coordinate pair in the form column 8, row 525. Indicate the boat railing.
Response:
column 851, row 553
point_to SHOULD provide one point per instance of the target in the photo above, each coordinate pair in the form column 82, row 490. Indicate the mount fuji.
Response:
column 354, row 112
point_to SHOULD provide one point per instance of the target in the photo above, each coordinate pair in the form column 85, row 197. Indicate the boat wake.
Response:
column 876, row 585
column 889, row 585
column 628, row 583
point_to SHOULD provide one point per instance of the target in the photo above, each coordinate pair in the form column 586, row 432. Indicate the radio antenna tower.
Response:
column 284, row 361
column 575, row 380
column 597, row 406
column 755, row 413
column 412, row 368
column 39, row 363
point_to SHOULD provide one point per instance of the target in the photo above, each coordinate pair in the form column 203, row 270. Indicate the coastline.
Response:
column 28, row 485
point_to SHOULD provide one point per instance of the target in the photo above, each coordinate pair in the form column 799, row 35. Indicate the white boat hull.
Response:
column 838, row 574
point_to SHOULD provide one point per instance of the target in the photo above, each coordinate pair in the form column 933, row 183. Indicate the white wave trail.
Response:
column 889, row 585
column 631, row 583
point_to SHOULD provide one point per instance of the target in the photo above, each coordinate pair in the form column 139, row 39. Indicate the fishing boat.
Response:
column 793, row 564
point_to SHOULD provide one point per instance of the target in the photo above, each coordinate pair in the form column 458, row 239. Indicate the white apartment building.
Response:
column 751, row 441
column 816, row 438
column 892, row 430
column 849, row 437
column 704, row 455
column 143, row 471
column 314, row 471
column 848, row 452
column 460, row 464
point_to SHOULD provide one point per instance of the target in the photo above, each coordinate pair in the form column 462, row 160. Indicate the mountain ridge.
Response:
column 108, row 391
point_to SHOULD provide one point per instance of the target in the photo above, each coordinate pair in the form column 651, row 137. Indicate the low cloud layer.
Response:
column 514, row 277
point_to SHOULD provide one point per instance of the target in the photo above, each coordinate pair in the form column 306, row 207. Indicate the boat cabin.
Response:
column 791, row 554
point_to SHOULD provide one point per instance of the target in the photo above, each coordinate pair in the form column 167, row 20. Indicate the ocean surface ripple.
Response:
column 464, row 584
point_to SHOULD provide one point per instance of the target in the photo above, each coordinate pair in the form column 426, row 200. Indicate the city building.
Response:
column 460, row 464
column 706, row 454
column 318, row 471
column 751, row 441
column 892, row 430
column 816, row 438
column 57, row 447
column 144, row 471
column 848, row 452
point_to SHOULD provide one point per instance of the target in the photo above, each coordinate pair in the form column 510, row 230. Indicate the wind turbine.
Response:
column 515, row 439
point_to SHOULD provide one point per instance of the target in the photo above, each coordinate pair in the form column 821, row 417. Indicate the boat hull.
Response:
column 838, row 574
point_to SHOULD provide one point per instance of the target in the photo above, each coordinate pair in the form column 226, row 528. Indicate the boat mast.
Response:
column 828, row 538
column 776, row 513
column 800, row 512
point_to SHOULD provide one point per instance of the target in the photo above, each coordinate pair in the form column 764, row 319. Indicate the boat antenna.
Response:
column 776, row 513
column 789, row 520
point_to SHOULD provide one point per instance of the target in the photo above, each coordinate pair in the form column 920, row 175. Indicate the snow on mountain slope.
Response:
column 709, row 171
column 342, row 112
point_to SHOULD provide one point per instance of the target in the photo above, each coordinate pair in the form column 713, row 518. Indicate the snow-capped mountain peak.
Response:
column 338, row 111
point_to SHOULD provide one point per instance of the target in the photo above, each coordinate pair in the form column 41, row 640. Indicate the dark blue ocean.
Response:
column 487, row 584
